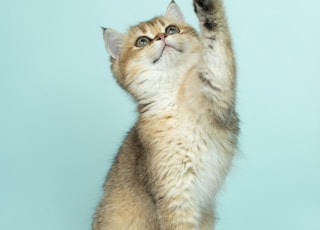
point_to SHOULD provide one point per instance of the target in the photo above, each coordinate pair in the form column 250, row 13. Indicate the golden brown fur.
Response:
column 174, row 160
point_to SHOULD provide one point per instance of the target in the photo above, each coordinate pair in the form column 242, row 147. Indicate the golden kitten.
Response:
column 173, row 161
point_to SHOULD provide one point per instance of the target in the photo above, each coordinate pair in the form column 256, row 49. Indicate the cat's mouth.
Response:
column 166, row 46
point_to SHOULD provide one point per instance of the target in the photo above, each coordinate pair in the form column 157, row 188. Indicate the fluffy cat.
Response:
column 174, row 160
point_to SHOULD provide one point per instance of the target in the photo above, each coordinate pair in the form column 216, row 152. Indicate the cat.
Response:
column 174, row 160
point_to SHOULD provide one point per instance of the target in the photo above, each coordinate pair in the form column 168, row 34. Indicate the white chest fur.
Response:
column 210, row 162
column 189, row 158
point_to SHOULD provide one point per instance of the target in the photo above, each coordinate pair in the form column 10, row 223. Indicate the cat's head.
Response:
column 153, row 55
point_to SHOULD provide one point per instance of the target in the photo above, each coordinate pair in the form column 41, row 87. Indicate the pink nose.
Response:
column 161, row 37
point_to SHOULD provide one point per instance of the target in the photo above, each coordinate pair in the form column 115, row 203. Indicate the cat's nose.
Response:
column 160, row 36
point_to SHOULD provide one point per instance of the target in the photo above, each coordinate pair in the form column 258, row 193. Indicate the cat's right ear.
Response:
column 113, row 41
column 173, row 11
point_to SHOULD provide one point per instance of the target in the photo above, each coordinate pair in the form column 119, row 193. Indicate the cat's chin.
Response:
column 167, row 50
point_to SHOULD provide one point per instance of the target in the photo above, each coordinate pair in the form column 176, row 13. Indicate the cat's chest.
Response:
column 190, row 151
column 209, row 160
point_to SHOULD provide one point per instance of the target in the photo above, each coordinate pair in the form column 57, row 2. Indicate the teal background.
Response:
column 63, row 117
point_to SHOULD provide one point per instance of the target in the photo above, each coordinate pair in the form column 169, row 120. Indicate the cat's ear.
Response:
column 113, row 41
column 173, row 11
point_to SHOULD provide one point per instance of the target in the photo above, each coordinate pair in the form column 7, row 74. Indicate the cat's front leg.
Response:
column 174, row 217
column 210, row 13
column 219, row 64
column 218, row 71
column 177, row 209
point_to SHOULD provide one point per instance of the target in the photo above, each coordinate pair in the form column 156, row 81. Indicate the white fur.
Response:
column 173, row 11
column 113, row 42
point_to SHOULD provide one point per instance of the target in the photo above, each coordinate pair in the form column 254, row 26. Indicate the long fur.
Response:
column 174, row 160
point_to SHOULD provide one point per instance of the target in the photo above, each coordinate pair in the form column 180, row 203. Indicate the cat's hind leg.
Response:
column 126, row 211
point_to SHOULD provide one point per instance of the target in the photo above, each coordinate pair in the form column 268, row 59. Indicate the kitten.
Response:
column 174, row 160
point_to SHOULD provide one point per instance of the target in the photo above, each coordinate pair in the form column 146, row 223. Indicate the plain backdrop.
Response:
column 63, row 117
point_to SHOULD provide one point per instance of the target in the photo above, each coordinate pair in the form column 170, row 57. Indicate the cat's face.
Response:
column 153, row 54
column 159, row 43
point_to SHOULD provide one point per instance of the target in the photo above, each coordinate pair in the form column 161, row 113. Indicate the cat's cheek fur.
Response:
column 156, row 85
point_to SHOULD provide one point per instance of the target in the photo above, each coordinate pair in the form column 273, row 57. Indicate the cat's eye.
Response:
column 172, row 30
column 142, row 41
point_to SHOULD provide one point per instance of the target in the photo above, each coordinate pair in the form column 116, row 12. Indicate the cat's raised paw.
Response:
column 205, row 5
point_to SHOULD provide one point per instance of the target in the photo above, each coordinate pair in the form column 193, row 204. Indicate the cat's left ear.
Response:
column 173, row 11
column 113, row 41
